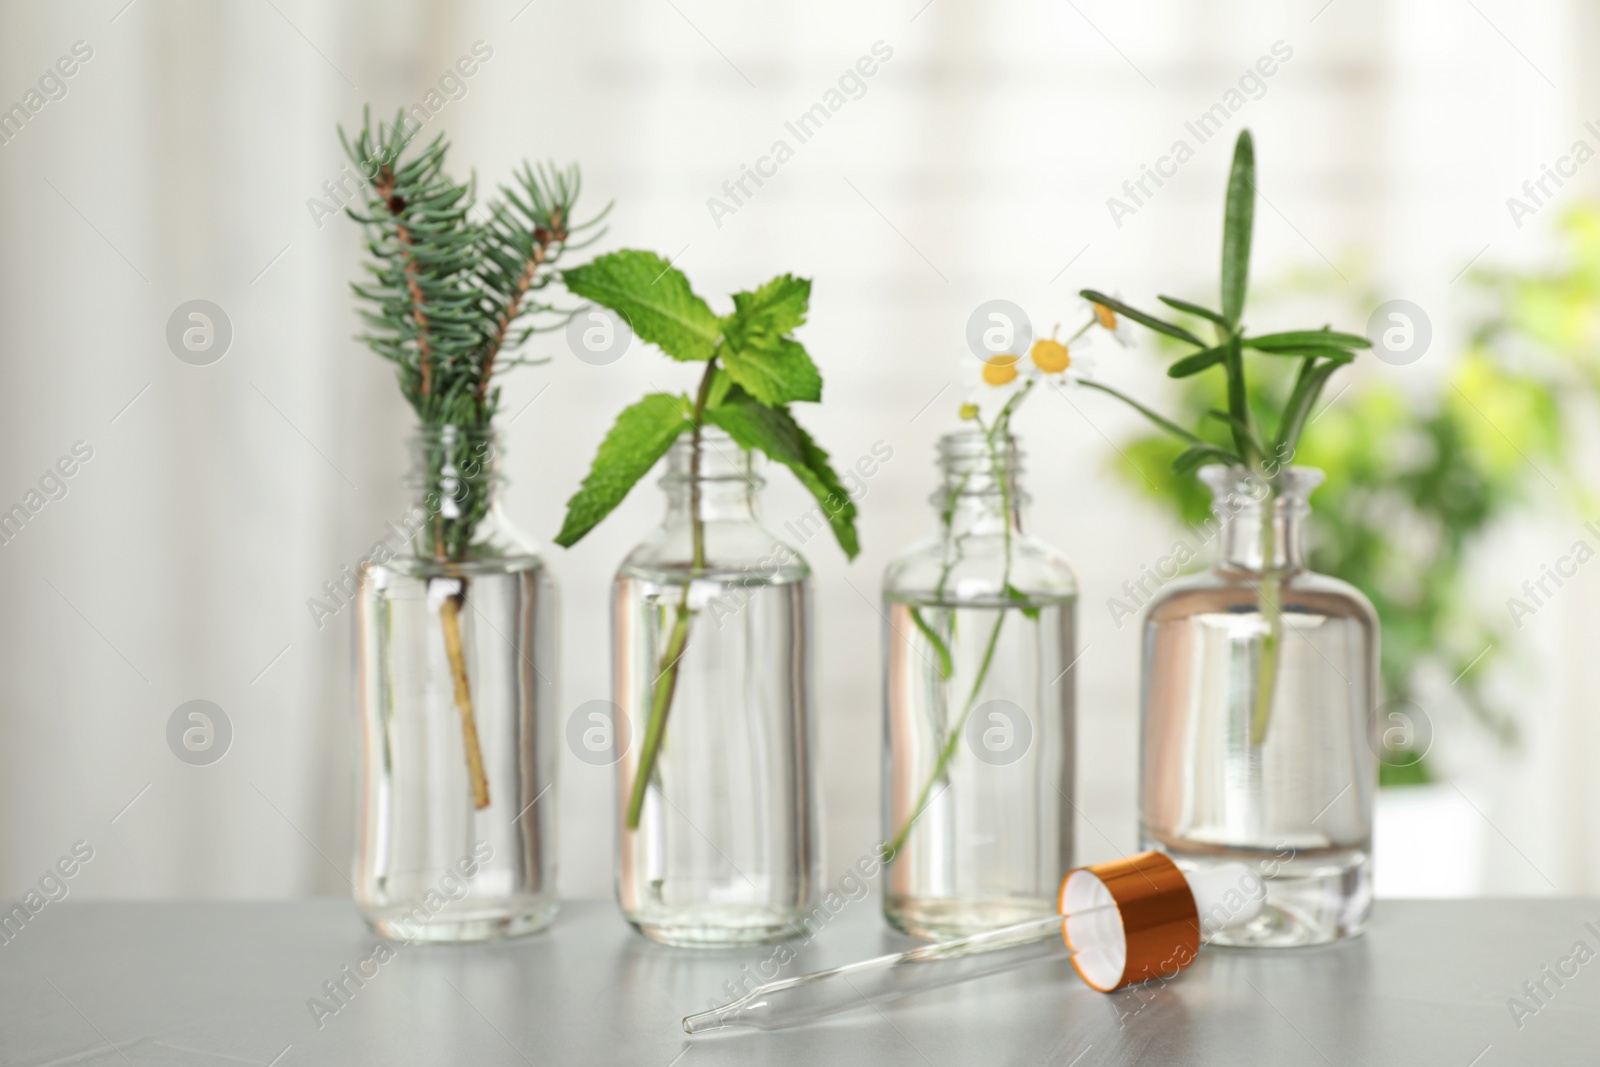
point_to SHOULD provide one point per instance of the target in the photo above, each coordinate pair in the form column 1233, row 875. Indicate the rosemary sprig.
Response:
column 1321, row 353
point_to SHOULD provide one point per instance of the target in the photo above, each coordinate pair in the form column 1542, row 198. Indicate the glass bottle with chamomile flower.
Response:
column 979, row 686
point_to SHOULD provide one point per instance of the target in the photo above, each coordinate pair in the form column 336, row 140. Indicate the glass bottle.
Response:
column 1259, row 683
column 456, row 678
column 978, row 707
column 711, row 619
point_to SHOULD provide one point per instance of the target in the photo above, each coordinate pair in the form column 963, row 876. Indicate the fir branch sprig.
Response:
column 446, row 299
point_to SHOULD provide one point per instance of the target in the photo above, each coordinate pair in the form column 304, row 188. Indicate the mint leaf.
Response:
column 757, row 351
column 642, row 434
column 774, row 376
column 773, row 430
column 720, row 384
column 775, row 309
column 654, row 297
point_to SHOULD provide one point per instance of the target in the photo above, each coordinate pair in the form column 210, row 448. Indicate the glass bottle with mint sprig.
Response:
column 979, row 691
column 456, row 611
column 1260, row 676
column 711, row 614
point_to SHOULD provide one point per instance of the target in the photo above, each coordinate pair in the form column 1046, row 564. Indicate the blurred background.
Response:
column 191, row 154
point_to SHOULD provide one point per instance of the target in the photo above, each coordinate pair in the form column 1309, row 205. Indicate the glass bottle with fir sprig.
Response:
column 979, row 685
column 456, row 630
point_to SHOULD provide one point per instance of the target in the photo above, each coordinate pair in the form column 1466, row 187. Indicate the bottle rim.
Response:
column 1245, row 487
column 975, row 443
column 971, row 469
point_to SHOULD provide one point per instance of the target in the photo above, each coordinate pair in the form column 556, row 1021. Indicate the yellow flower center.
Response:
column 999, row 370
column 1050, row 355
column 1105, row 316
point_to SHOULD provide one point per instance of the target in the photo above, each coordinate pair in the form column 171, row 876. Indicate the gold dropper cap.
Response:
column 1154, row 931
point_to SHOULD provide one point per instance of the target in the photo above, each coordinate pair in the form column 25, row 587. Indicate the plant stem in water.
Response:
column 450, row 622
column 954, row 739
column 1003, row 477
column 1271, row 610
column 660, row 704
column 666, row 683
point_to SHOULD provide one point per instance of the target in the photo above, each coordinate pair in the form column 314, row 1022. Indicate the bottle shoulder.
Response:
column 741, row 549
column 486, row 563
column 975, row 569
column 497, row 546
column 1222, row 590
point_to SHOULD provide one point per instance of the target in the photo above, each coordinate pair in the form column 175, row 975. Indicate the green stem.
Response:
column 946, row 667
column 660, row 704
column 1003, row 474
column 666, row 684
column 946, row 518
column 953, row 738
column 1002, row 427
column 1271, row 610
column 1239, row 402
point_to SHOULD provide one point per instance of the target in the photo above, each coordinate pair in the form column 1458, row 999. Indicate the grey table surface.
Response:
column 176, row 983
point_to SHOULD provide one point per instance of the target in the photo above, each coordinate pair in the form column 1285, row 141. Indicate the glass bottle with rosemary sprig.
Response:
column 978, row 686
column 711, row 614
column 456, row 624
column 1260, row 676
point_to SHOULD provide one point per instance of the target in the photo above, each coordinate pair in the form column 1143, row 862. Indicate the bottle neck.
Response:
column 711, row 479
column 455, row 484
column 1251, row 541
column 1262, row 521
column 980, row 493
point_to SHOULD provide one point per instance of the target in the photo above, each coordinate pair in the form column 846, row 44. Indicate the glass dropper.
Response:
column 1120, row 922
column 789, row 1001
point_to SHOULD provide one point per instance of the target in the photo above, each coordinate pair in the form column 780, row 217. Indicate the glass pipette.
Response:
column 1121, row 922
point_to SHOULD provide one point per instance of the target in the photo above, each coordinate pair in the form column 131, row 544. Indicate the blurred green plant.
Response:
column 1418, row 476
